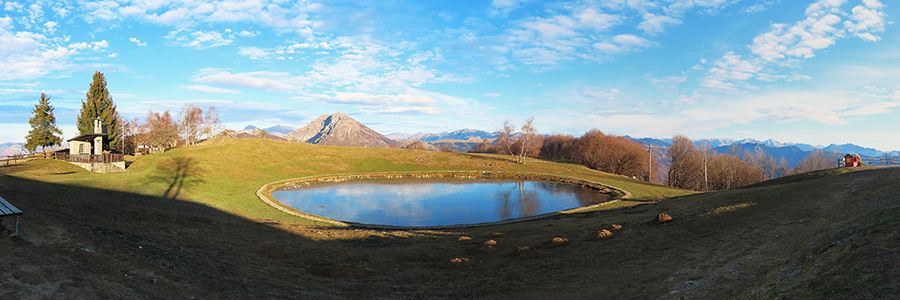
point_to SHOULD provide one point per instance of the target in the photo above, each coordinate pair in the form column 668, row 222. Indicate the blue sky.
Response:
column 815, row 72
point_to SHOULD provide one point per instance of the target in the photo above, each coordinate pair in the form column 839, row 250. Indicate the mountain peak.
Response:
column 339, row 129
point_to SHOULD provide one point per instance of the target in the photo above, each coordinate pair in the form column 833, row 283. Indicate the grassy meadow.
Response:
column 188, row 224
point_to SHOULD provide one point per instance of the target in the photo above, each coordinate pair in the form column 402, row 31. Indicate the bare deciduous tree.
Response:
column 527, row 141
column 506, row 141
column 134, row 136
column 519, row 147
column 817, row 160
column 685, row 171
column 611, row 154
column 191, row 125
column 161, row 131
column 558, row 146
column 211, row 124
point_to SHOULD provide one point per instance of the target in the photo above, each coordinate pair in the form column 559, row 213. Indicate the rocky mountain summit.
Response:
column 339, row 129
column 249, row 134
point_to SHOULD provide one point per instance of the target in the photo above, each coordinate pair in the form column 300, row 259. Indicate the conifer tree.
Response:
column 43, row 126
column 99, row 104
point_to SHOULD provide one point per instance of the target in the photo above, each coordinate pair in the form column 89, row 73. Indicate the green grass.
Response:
column 226, row 173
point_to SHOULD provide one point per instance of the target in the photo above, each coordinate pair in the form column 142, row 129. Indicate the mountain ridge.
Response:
column 339, row 129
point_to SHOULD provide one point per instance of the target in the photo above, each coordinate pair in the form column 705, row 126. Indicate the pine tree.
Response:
column 43, row 126
column 99, row 104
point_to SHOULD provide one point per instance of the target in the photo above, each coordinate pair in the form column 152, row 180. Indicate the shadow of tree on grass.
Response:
column 178, row 173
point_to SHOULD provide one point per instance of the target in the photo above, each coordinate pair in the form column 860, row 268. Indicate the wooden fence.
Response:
column 24, row 157
column 99, row 158
column 91, row 158
column 881, row 161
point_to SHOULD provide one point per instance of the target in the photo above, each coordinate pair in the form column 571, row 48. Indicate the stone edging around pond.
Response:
column 265, row 193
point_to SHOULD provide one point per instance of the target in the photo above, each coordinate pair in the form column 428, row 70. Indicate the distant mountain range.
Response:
column 254, row 133
column 9, row 149
column 337, row 129
column 462, row 134
column 277, row 130
column 341, row 129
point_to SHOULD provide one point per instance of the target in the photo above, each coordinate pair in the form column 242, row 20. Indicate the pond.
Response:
column 436, row 202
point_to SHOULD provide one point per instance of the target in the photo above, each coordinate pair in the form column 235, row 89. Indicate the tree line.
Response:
column 594, row 149
column 692, row 167
column 158, row 131
column 161, row 131
column 701, row 169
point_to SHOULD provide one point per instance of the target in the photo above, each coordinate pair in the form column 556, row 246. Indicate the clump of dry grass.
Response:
column 461, row 262
column 490, row 243
column 464, row 239
column 730, row 208
column 664, row 218
column 602, row 234
column 615, row 227
column 559, row 242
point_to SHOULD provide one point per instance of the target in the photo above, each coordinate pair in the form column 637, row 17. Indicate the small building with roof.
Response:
column 852, row 160
column 86, row 151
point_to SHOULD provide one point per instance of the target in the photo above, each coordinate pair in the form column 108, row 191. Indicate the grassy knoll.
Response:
column 204, row 234
column 226, row 173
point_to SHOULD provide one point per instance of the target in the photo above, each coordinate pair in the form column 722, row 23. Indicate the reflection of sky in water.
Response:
column 421, row 202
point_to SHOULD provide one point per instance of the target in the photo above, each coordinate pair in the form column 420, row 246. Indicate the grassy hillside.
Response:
column 225, row 173
column 825, row 235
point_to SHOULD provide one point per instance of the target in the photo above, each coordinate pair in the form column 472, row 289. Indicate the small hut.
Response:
column 852, row 160
column 86, row 151
column 89, row 143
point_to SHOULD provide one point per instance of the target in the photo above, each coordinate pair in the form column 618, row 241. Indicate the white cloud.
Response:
column 276, row 82
column 655, row 24
column 245, row 33
column 786, row 45
column 492, row 95
column 89, row 46
column 208, row 89
column 113, row 55
column 253, row 53
column 50, row 27
column 369, row 99
column 279, row 15
column 198, row 39
column 865, row 20
column 26, row 55
column 138, row 42
column 760, row 7
column 504, row 7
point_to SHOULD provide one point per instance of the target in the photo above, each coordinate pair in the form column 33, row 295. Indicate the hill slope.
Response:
column 827, row 235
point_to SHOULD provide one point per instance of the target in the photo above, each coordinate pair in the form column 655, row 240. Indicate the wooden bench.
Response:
column 7, row 209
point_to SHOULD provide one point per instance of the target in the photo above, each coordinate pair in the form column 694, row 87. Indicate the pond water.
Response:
column 436, row 202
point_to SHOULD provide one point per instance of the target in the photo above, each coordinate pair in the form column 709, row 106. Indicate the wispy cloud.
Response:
column 208, row 89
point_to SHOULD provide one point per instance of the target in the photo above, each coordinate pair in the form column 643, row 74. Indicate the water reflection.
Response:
column 431, row 202
column 519, row 197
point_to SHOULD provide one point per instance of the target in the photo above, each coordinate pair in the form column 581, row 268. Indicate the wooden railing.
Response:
column 91, row 158
column 881, row 161
column 77, row 158
column 24, row 157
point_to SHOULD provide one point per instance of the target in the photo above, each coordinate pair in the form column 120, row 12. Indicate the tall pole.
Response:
column 650, row 163
column 705, row 173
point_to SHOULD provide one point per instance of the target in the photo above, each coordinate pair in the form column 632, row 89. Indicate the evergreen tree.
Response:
column 43, row 126
column 99, row 104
